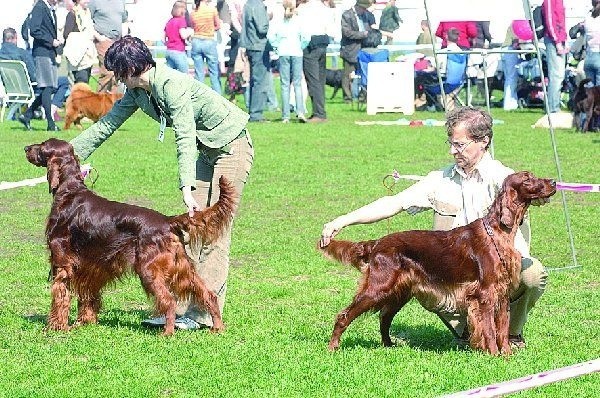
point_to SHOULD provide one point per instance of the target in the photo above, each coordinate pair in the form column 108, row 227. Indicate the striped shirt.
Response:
column 205, row 20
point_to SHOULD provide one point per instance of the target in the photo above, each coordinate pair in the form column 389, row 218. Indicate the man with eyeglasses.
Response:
column 459, row 194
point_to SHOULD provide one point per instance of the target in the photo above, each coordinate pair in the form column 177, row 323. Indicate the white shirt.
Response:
column 316, row 18
column 450, row 191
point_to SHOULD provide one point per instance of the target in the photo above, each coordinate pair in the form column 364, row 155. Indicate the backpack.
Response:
column 373, row 39
column 538, row 22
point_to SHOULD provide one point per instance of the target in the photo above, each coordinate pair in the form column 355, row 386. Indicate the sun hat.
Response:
column 364, row 3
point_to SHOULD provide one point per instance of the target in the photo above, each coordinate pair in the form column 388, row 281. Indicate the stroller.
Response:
column 529, row 87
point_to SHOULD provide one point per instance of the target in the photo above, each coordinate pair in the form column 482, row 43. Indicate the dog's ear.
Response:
column 54, row 174
column 508, row 210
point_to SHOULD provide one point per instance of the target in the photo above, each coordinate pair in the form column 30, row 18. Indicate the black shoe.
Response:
column 53, row 128
column 25, row 122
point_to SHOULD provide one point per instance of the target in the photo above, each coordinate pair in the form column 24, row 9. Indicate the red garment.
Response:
column 554, row 20
column 466, row 31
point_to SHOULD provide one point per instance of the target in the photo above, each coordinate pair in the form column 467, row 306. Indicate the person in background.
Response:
column 211, row 141
column 316, row 22
column 467, row 31
column 518, row 34
column 254, row 40
column 236, row 10
column 336, row 33
column 591, row 25
column 223, row 34
column 390, row 21
column 288, row 42
column 555, row 37
column 424, row 39
column 10, row 51
column 108, row 16
column 205, row 20
column 45, row 43
column 176, row 33
column 355, row 28
column 484, row 37
column 459, row 194
column 79, row 34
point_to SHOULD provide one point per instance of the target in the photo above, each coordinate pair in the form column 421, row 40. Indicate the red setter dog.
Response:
column 94, row 241
column 475, row 265
column 83, row 102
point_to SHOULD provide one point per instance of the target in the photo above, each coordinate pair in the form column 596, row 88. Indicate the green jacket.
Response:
column 192, row 109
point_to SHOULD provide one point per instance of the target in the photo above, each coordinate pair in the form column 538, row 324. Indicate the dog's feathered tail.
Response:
column 356, row 254
column 209, row 224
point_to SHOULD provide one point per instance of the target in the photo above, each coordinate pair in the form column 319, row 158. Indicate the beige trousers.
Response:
column 106, row 79
column 212, row 261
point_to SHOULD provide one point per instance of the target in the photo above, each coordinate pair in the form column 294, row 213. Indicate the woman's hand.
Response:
column 189, row 201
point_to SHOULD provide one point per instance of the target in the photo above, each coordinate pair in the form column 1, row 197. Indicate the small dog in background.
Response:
column 83, row 102
column 586, row 107
column 333, row 78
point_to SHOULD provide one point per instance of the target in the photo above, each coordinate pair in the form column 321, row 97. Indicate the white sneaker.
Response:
column 185, row 323
column 158, row 322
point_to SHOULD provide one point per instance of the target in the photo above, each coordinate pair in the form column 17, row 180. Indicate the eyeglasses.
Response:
column 459, row 146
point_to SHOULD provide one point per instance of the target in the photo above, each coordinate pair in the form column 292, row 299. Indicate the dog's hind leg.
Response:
column 153, row 278
column 386, row 315
column 208, row 299
column 188, row 284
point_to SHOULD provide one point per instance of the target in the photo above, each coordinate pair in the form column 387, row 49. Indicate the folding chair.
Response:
column 18, row 88
column 453, row 83
column 364, row 58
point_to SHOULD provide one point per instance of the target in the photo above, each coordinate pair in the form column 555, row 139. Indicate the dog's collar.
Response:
column 488, row 228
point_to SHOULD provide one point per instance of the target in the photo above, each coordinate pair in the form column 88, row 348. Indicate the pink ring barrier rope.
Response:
column 531, row 381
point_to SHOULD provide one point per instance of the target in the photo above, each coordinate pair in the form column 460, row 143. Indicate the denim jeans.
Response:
column 556, row 74
column 206, row 50
column 591, row 67
column 259, row 62
column 290, row 70
column 511, row 78
column 177, row 60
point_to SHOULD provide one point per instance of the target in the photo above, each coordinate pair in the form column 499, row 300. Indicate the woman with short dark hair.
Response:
column 211, row 141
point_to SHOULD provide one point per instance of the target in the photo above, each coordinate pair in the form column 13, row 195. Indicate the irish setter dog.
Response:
column 476, row 266
column 83, row 102
column 94, row 241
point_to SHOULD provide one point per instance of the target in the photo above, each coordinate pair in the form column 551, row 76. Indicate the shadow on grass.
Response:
column 114, row 318
column 424, row 338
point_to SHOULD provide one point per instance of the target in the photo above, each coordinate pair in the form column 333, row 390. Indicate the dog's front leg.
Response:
column 58, row 318
column 502, row 322
column 481, row 321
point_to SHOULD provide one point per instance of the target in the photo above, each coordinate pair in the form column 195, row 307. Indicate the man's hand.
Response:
column 540, row 202
column 330, row 230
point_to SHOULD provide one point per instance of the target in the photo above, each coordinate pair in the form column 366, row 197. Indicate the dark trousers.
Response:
column 44, row 98
column 349, row 67
column 259, row 63
column 314, row 73
column 82, row 76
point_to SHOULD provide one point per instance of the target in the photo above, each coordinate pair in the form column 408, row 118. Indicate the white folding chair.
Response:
column 18, row 88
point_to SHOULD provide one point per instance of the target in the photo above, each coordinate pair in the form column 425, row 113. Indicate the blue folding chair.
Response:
column 456, row 67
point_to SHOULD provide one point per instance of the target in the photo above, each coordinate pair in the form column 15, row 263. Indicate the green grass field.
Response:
column 283, row 295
